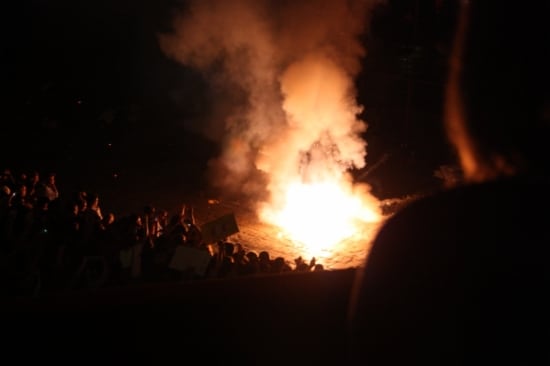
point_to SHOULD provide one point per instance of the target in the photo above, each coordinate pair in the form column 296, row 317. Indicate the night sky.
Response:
column 89, row 94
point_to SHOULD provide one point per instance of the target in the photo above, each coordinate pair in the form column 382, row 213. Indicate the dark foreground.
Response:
column 286, row 319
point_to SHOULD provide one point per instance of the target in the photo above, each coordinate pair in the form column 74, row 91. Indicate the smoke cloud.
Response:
column 288, row 68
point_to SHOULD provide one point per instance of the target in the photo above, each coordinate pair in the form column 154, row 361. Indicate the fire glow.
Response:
column 320, row 214
column 291, row 131
column 313, row 199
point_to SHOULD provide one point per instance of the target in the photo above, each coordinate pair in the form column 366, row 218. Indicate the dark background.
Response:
column 88, row 94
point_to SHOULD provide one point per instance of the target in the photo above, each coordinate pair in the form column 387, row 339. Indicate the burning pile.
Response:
column 292, row 132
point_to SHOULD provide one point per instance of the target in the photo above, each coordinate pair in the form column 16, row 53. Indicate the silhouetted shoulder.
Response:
column 472, row 213
column 457, row 276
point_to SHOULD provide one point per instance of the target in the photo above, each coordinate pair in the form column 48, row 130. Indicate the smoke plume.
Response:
column 288, row 68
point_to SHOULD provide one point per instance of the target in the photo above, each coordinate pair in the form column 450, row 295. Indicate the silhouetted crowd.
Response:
column 55, row 242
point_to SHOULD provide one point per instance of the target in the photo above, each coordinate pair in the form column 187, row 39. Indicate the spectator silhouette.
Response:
column 7, row 179
column 459, row 277
column 34, row 184
column 265, row 261
column 48, row 188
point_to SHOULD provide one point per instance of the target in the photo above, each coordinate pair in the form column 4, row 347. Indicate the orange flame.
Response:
column 313, row 199
column 320, row 215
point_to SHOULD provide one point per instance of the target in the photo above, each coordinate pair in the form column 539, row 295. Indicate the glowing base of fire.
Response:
column 321, row 215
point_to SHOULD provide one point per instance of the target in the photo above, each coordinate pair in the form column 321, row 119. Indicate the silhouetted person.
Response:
column 7, row 179
column 48, row 188
column 460, row 277
column 265, row 261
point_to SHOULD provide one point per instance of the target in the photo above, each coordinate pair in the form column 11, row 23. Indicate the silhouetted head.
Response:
column 148, row 210
column 252, row 257
column 264, row 256
column 498, row 106
column 5, row 191
column 92, row 200
column 229, row 248
column 51, row 178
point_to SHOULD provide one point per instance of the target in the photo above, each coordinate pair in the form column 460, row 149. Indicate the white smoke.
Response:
column 288, row 67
